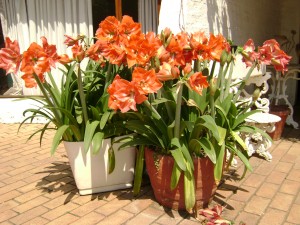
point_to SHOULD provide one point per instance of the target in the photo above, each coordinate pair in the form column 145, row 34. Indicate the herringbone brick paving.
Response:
column 36, row 188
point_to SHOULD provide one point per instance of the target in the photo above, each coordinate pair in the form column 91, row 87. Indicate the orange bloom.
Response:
column 50, row 50
column 64, row 59
column 167, row 72
column 216, row 45
column 128, row 27
column 70, row 41
column 145, row 80
column 78, row 52
column 108, row 29
column 35, row 60
column 95, row 51
column 124, row 95
column 30, row 82
column 249, row 54
column 10, row 57
column 197, row 82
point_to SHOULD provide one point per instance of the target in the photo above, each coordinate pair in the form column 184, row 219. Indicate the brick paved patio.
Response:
column 36, row 188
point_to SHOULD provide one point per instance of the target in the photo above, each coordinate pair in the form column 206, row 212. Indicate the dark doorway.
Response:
column 3, row 78
column 103, row 8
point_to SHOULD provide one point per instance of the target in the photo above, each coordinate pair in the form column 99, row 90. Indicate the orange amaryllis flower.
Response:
column 249, row 54
column 145, row 80
column 95, row 51
column 280, row 61
column 198, row 42
column 147, row 48
column 270, row 53
column 133, row 49
column 10, row 57
column 108, row 29
column 128, row 27
column 70, row 41
column 50, row 50
column 215, row 46
column 167, row 72
column 78, row 52
column 64, row 59
column 197, row 82
column 124, row 95
column 35, row 60
column 30, row 82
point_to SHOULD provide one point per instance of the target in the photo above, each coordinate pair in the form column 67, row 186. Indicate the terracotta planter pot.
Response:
column 90, row 171
column 282, row 111
column 159, row 168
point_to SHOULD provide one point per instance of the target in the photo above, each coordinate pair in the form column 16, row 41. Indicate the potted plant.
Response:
column 175, row 103
column 77, row 109
column 277, row 107
column 184, row 110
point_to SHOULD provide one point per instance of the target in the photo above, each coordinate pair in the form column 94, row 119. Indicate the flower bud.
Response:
column 229, row 57
column 256, row 94
column 223, row 58
column 212, row 87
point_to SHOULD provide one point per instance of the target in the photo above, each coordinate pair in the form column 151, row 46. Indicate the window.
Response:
column 103, row 8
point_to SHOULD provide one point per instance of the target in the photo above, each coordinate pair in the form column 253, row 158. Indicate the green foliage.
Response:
column 62, row 107
column 199, row 126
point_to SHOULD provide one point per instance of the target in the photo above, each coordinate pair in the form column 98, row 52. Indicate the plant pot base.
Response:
column 90, row 171
column 282, row 111
column 159, row 169
column 94, row 190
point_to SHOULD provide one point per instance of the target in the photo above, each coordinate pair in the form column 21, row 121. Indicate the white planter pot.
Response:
column 90, row 171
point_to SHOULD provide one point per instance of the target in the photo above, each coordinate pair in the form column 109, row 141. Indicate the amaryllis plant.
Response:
column 164, row 88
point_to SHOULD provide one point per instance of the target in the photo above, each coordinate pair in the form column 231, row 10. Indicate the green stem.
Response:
column 109, row 76
column 229, row 80
column 212, row 106
column 178, row 110
column 196, row 65
column 220, row 76
column 82, row 95
column 139, row 167
column 229, row 161
column 223, row 77
column 152, row 109
column 211, row 75
column 168, row 105
column 242, row 85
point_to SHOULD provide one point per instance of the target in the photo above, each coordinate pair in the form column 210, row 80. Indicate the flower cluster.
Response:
column 269, row 54
column 155, row 58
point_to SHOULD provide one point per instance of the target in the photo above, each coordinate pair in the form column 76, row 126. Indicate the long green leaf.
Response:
column 189, row 188
column 241, row 118
column 89, row 133
column 239, row 140
column 206, row 145
column 104, row 119
column 139, row 168
column 139, row 128
column 242, row 156
column 218, row 169
column 253, row 129
column 176, row 173
column 179, row 158
column 57, row 137
column 111, row 160
column 97, row 142
column 210, row 124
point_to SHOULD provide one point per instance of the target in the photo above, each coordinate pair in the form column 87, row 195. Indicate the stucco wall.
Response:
column 237, row 20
